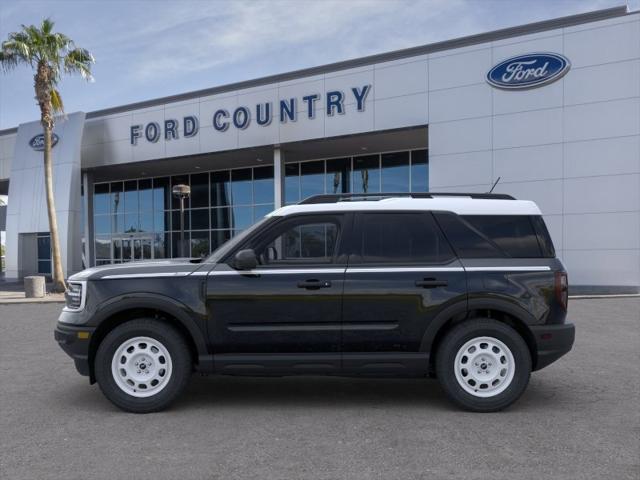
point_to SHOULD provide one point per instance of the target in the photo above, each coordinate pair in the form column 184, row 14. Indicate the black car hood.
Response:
column 147, row 268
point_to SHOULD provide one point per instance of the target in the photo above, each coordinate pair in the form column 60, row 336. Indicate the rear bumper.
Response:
column 75, row 343
column 552, row 342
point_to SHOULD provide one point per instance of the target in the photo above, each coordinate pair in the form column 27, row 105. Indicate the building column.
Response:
column 278, row 177
column 87, row 220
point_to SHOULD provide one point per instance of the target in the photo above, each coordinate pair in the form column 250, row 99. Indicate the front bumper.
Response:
column 552, row 341
column 74, row 340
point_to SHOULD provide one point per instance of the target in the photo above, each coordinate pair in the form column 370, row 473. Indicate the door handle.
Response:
column 314, row 284
column 431, row 283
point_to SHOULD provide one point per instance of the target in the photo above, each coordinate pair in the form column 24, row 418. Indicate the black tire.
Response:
column 456, row 339
column 180, row 357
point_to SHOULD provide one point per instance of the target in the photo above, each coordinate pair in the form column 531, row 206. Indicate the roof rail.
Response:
column 352, row 197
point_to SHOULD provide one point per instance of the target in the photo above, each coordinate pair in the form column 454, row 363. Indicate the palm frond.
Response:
column 79, row 60
column 56, row 101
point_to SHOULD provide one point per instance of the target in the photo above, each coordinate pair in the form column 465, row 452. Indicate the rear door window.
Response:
column 401, row 238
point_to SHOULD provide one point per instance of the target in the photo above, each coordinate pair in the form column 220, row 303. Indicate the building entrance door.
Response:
column 132, row 249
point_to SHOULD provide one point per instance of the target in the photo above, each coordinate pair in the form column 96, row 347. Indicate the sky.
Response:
column 146, row 49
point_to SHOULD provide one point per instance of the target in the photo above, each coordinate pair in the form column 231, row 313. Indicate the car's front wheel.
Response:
column 143, row 365
column 483, row 365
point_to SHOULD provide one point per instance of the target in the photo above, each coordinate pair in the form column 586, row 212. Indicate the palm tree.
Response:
column 50, row 55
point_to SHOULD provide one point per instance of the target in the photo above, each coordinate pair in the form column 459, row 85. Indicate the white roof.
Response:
column 461, row 205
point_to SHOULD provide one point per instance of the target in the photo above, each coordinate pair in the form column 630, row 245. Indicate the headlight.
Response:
column 75, row 295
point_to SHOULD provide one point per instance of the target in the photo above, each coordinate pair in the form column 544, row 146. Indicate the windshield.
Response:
column 230, row 244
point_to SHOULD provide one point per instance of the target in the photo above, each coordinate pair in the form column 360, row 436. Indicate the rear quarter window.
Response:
column 490, row 236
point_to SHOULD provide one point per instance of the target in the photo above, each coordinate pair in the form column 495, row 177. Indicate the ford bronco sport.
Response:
column 463, row 287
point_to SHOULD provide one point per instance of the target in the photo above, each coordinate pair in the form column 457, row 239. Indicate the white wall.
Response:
column 397, row 99
column 7, row 145
column 572, row 146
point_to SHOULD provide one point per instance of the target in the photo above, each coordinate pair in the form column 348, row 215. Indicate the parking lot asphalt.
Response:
column 579, row 419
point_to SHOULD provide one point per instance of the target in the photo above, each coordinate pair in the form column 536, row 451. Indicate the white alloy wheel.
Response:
column 141, row 367
column 484, row 367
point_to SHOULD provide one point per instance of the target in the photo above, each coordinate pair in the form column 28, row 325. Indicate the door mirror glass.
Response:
column 245, row 260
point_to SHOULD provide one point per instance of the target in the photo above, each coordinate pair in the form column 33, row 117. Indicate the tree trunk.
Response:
column 43, row 95
column 58, row 276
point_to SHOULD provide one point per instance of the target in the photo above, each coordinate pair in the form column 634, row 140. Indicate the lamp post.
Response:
column 182, row 192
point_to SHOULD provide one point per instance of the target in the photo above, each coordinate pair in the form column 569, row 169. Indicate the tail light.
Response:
column 562, row 289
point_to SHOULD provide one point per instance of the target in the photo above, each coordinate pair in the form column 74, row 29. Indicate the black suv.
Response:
column 463, row 287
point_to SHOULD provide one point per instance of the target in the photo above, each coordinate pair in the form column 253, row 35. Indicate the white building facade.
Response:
column 552, row 109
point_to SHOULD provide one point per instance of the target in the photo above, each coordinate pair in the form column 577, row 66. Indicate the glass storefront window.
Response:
column 140, row 219
column 337, row 177
column 263, row 185
column 101, row 198
column 366, row 174
column 200, row 219
column 311, row 179
column 145, row 195
column 199, row 244
column 241, row 188
column 200, row 190
column 242, row 217
column 395, row 172
column 220, row 218
column 292, row 183
column 419, row 171
column 179, row 180
column 220, row 189
column 161, row 194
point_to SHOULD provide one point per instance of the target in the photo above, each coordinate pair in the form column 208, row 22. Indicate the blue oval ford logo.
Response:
column 528, row 71
column 37, row 142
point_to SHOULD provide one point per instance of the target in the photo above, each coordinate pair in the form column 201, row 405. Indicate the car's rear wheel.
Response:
column 143, row 365
column 483, row 365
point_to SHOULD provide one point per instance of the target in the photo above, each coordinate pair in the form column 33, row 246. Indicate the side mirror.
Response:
column 245, row 260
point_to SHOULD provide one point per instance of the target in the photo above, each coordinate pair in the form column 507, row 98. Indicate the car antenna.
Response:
column 494, row 185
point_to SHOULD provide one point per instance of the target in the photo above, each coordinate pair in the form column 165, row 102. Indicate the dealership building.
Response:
column 551, row 109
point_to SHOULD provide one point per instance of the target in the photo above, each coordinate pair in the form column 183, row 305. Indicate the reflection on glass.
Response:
column 311, row 179
column 260, row 211
column 131, row 196
column 337, row 178
column 101, row 224
column 366, row 174
column 161, row 194
column 103, row 247
column 220, row 189
column 160, row 221
column 175, row 220
column 200, row 190
column 160, row 243
column 218, row 237
column 220, row 218
column 117, row 249
column 179, row 180
column 146, row 222
column 292, row 183
column 419, row 171
column 145, row 195
column 101, row 198
column 200, row 219
column 44, row 266
column 263, row 185
column 395, row 172
column 131, row 223
column 242, row 217
column 241, row 191
column 199, row 244
column 117, row 199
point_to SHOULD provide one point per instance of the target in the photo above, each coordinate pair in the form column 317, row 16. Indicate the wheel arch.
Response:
column 496, row 308
column 117, row 311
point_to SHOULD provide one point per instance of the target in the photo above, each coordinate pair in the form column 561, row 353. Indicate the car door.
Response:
column 290, row 304
column 402, row 272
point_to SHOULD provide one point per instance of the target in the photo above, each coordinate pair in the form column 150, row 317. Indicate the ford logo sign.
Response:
column 528, row 71
column 37, row 142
